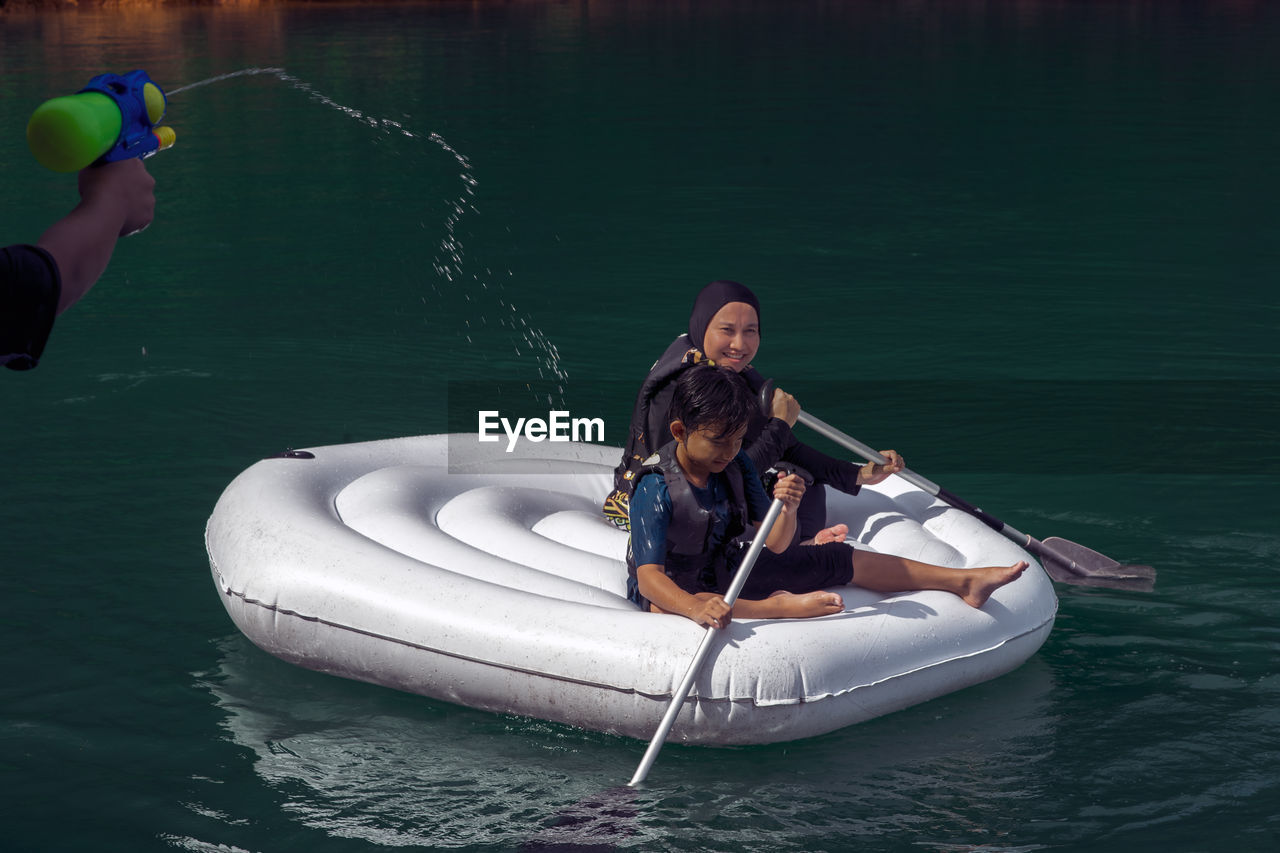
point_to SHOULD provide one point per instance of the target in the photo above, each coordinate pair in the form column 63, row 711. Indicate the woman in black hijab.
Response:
column 724, row 330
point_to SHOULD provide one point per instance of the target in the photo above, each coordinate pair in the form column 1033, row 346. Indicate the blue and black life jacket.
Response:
column 691, row 559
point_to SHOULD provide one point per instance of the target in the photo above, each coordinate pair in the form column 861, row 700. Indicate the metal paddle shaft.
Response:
column 704, row 648
column 1064, row 560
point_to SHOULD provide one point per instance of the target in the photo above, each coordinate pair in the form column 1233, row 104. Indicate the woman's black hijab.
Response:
column 710, row 300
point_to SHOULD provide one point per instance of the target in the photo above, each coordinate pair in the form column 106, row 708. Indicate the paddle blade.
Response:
column 1071, row 562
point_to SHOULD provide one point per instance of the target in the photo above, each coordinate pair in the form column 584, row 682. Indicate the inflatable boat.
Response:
column 454, row 569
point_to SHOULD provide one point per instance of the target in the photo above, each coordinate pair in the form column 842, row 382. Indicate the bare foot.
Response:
column 980, row 583
column 831, row 534
column 789, row 605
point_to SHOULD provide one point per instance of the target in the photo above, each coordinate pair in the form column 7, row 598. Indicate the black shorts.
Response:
column 30, row 288
column 800, row 569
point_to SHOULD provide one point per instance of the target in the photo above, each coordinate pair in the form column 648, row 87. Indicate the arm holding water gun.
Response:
column 103, row 132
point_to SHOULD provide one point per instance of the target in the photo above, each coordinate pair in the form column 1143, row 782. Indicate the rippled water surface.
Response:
column 1032, row 245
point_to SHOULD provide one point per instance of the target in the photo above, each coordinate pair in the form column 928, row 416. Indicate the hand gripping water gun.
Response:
column 112, row 118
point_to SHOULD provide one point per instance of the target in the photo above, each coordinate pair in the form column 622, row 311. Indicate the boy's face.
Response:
column 705, row 449
column 733, row 336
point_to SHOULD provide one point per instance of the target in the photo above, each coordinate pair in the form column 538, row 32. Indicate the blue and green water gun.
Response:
column 113, row 118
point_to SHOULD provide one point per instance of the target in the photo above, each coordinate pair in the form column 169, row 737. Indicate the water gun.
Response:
column 112, row 118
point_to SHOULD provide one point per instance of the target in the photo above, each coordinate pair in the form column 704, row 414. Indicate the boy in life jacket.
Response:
column 698, row 502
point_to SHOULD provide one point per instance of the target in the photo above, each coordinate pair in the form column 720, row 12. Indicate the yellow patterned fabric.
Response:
column 695, row 356
column 617, row 510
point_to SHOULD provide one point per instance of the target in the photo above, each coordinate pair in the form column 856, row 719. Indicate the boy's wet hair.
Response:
column 712, row 398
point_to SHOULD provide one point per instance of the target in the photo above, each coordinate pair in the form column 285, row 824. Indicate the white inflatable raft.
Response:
column 452, row 569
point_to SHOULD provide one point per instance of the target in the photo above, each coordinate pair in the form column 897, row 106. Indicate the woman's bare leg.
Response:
column 887, row 573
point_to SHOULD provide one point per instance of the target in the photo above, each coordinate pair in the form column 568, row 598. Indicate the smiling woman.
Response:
column 731, row 335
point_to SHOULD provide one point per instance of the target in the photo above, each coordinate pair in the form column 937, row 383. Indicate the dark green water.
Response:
column 1033, row 246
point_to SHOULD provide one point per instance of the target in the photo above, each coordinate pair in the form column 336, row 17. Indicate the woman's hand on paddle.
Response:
column 785, row 407
column 874, row 472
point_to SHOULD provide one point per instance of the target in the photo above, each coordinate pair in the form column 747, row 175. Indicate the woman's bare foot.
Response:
column 789, row 605
column 830, row 534
column 980, row 583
